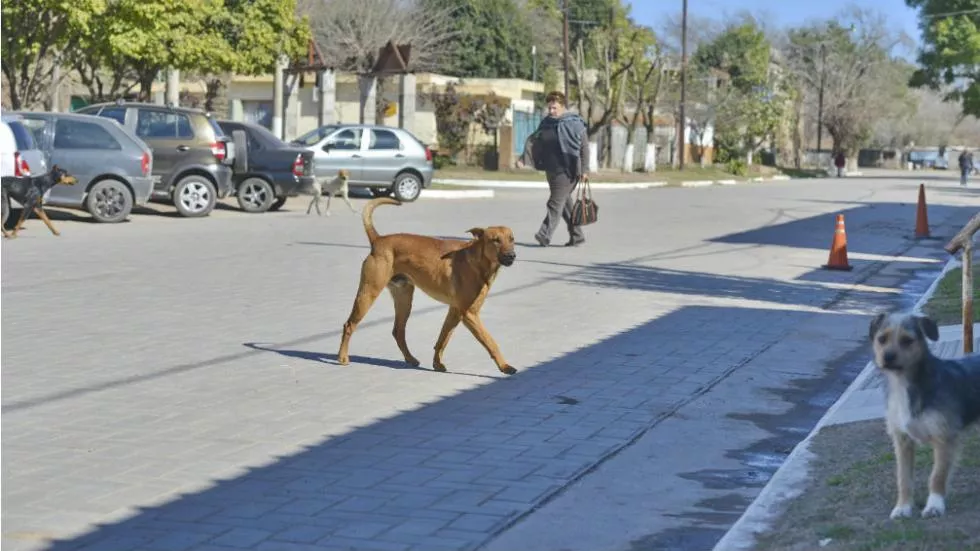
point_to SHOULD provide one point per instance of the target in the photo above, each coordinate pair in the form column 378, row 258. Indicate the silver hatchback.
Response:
column 384, row 159
column 112, row 165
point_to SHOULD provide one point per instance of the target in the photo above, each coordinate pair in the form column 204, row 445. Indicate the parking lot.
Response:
column 169, row 383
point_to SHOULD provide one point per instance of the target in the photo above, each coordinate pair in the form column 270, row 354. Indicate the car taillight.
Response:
column 145, row 164
column 21, row 168
column 219, row 150
column 428, row 155
column 298, row 166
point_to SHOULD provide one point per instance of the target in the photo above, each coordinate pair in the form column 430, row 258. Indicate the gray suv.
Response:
column 384, row 159
column 112, row 166
column 192, row 156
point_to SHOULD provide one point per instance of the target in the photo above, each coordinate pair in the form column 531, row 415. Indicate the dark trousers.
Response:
column 559, row 206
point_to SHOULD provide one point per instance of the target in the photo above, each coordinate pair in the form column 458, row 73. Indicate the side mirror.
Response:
column 326, row 148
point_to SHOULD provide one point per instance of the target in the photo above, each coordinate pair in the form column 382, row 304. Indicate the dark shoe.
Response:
column 575, row 242
column 541, row 241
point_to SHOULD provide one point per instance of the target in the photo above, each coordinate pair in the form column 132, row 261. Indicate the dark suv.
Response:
column 192, row 156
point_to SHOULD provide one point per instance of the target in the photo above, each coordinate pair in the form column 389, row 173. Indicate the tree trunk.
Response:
column 650, row 156
column 628, row 154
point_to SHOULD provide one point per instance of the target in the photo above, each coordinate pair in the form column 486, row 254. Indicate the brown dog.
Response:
column 456, row 273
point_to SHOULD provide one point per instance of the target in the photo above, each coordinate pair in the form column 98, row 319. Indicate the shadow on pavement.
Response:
column 865, row 225
column 454, row 472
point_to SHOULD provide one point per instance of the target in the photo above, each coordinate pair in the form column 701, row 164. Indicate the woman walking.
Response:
column 559, row 147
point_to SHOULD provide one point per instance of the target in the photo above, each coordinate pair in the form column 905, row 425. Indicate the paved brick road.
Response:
column 169, row 384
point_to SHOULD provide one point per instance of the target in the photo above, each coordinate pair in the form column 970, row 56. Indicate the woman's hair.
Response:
column 556, row 97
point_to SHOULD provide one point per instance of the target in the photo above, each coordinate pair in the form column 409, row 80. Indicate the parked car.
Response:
column 20, row 157
column 384, row 159
column 112, row 165
column 192, row 156
column 267, row 169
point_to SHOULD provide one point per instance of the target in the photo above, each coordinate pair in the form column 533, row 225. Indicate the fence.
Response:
column 964, row 241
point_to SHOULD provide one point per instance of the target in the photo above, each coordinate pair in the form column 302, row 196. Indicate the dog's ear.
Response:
column 477, row 232
column 928, row 327
column 875, row 325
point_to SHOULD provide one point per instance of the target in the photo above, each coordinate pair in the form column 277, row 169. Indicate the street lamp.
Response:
column 823, row 78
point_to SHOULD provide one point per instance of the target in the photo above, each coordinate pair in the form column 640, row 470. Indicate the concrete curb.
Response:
column 457, row 194
column 789, row 480
column 531, row 184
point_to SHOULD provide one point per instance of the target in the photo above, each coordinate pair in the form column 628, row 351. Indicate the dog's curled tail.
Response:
column 368, row 212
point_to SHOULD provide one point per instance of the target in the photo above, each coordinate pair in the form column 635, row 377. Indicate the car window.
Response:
column 23, row 136
column 70, row 134
column 254, row 144
column 117, row 114
column 36, row 126
column 314, row 136
column 349, row 139
column 383, row 139
column 163, row 124
column 218, row 131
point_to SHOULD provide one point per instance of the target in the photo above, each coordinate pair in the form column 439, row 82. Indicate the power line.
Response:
column 949, row 14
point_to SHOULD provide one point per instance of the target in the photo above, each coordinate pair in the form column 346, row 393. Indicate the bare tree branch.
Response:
column 350, row 32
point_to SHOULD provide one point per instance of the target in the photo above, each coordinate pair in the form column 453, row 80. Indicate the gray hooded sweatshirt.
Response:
column 572, row 140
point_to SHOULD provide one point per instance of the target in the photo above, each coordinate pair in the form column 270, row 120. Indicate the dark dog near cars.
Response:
column 30, row 191
column 930, row 401
column 455, row 272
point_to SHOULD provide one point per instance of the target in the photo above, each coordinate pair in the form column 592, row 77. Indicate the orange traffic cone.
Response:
column 838, row 249
column 921, row 216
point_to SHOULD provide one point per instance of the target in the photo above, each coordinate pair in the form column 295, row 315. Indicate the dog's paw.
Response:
column 508, row 370
column 343, row 360
column 413, row 361
column 935, row 506
column 902, row 511
column 439, row 366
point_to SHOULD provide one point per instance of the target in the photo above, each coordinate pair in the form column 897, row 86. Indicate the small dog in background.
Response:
column 29, row 192
column 329, row 187
column 930, row 401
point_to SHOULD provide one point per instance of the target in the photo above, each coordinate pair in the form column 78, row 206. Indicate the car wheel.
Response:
column 194, row 196
column 109, row 201
column 277, row 204
column 407, row 187
column 255, row 195
column 6, row 208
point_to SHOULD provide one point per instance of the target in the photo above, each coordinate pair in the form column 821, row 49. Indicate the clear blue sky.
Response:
column 780, row 12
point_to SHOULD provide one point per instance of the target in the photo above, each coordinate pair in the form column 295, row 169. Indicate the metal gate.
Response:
column 524, row 125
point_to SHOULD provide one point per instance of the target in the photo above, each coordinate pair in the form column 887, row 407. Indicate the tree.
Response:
column 755, row 102
column 454, row 113
column 597, row 75
column 37, row 37
column 642, row 90
column 850, row 60
column 492, row 39
column 350, row 34
column 950, row 58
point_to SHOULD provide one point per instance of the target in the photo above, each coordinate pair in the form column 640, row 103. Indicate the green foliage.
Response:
column 748, row 108
column 454, row 113
column 36, row 30
column 737, row 167
column 950, row 58
column 491, row 39
column 491, row 112
column 742, row 52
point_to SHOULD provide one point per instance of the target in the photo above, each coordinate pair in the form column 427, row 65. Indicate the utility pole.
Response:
column 683, row 122
column 564, row 38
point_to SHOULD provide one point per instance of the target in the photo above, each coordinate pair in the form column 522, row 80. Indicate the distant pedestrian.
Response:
column 840, row 161
column 559, row 147
column 966, row 166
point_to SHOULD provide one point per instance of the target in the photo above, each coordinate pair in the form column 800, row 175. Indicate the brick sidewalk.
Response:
column 169, row 384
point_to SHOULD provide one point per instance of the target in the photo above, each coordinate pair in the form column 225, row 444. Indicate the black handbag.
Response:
column 585, row 211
